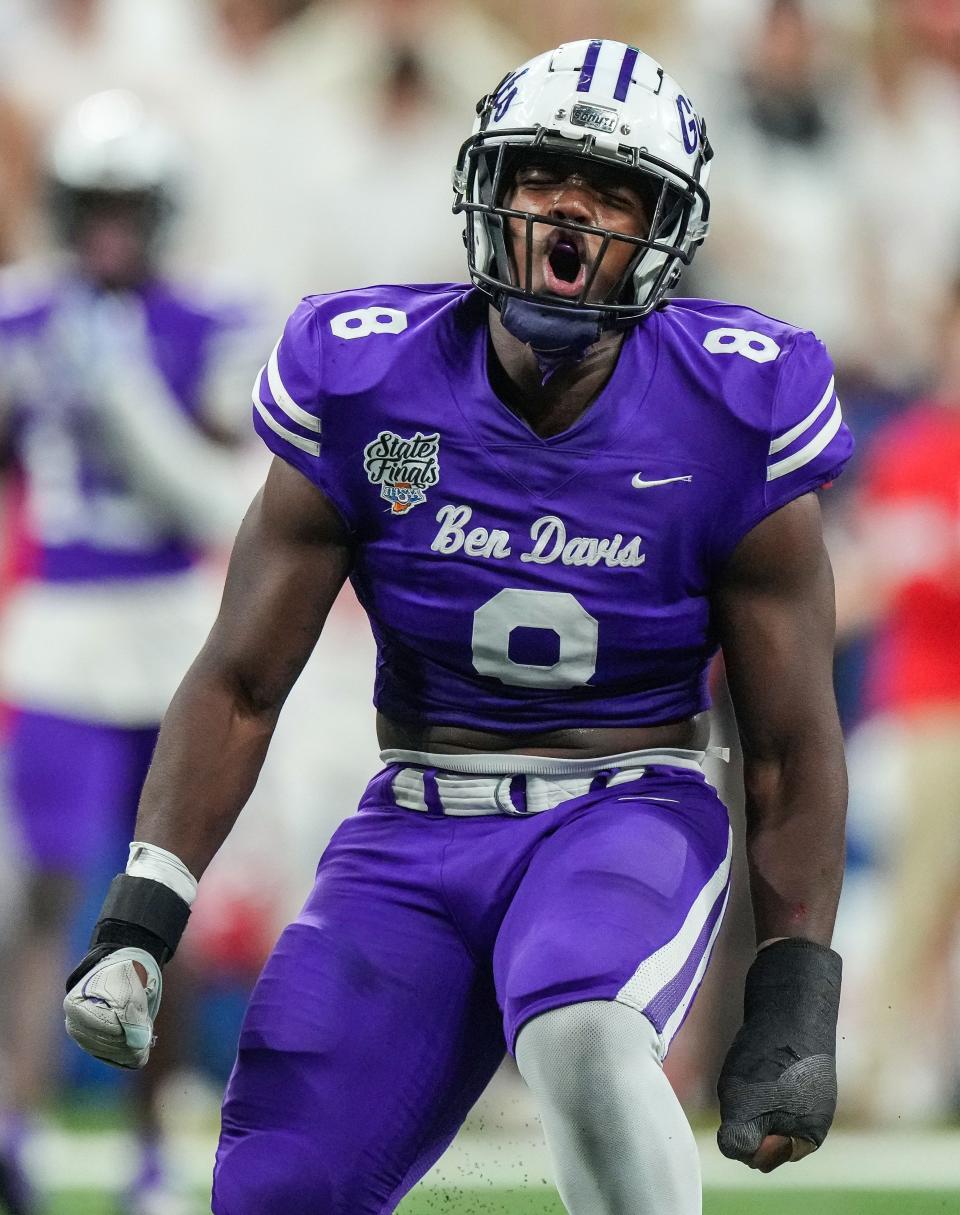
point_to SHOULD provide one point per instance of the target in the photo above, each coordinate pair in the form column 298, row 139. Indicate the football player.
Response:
column 556, row 493
column 109, row 385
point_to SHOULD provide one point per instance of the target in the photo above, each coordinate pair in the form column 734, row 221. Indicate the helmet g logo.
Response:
column 689, row 124
column 505, row 95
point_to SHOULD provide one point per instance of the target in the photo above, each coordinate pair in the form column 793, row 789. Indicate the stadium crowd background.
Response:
column 318, row 139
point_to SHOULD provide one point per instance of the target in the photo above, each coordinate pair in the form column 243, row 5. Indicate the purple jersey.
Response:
column 86, row 516
column 518, row 583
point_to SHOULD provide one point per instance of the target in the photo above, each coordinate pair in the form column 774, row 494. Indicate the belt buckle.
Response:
column 503, row 799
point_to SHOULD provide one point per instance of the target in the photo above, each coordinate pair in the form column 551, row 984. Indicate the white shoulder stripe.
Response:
column 308, row 445
column 816, row 445
column 283, row 398
column 786, row 439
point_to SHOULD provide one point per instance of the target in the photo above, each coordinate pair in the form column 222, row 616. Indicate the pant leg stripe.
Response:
column 657, row 972
column 663, row 1005
column 680, row 1012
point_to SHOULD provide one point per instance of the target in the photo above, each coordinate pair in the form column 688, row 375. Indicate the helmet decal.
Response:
column 689, row 125
column 506, row 94
column 594, row 117
column 625, row 79
column 589, row 67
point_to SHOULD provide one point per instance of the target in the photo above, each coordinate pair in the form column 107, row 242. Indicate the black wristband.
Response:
column 142, row 913
column 779, row 1076
column 798, row 980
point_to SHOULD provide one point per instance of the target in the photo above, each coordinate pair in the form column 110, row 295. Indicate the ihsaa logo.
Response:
column 403, row 468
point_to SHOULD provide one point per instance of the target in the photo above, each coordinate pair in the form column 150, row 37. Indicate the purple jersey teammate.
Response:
column 107, row 378
column 556, row 494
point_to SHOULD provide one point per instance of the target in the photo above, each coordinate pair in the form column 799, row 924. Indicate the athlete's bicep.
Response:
column 291, row 558
column 774, row 616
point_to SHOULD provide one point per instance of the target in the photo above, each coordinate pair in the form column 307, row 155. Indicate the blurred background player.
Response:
column 113, row 385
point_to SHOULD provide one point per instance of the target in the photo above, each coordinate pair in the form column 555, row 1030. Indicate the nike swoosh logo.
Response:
column 639, row 483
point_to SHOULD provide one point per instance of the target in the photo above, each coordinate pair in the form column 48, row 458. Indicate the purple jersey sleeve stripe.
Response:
column 794, row 432
column 283, row 398
column 810, row 450
column 589, row 67
column 625, row 79
column 264, row 410
column 304, row 455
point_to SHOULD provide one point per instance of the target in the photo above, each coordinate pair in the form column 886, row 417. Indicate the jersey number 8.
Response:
column 555, row 612
column 362, row 322
column 756, row 347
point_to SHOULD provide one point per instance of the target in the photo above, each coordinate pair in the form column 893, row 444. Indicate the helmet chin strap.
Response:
column 555, row 335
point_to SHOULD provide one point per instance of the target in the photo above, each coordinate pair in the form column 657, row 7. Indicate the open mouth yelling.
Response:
column 565, row 265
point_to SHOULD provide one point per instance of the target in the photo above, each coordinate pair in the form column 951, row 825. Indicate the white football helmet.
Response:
column 109, row 145
column 604, row 101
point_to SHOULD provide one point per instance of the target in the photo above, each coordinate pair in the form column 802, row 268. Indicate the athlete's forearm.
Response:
column 211, row 748
column 796, row 807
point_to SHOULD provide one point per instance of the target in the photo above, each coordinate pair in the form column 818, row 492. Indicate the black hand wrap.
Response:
column 137, row 912
column 780, row 1075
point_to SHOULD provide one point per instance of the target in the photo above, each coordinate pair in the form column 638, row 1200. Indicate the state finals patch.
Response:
column 403, row 468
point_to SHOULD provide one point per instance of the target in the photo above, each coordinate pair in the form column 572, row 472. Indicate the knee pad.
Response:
column 584, row 1045
column 620, row 1143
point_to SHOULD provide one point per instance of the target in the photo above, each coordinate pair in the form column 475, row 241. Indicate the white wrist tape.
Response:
column 149, row 861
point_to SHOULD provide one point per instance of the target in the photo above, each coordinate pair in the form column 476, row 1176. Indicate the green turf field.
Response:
column 519, row 1202
column 850, row 1202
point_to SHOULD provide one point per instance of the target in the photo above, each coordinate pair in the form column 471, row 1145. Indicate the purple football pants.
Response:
column 74, row 788
column 426, row 944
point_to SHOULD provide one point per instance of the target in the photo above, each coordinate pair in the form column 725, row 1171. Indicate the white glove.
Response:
column 110, row 1013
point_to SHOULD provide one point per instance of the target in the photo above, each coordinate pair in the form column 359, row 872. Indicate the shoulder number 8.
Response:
column 756, row 347
column 364, row 321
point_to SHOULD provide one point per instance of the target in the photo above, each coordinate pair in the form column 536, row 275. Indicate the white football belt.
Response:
column 463, row 785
